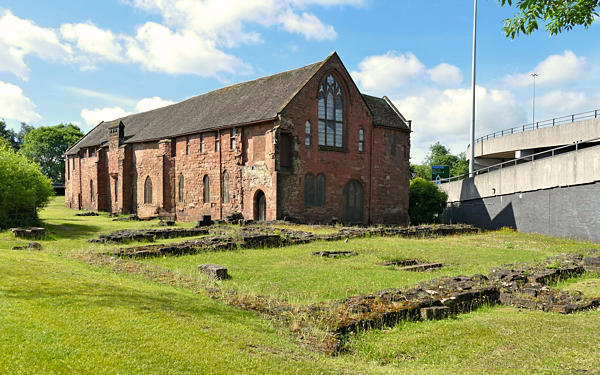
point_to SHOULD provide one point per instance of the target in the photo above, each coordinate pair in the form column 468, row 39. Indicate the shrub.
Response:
column 426, row 201
column 23, row 189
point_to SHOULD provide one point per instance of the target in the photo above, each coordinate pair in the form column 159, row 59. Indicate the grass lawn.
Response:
column 59, row 315
column 294, row 274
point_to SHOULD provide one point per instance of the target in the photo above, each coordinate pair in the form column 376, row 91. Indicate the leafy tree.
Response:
column 426, row 201
column 47, row 144
column 23, row 188
column 9, row 135
column 23, row 132
column 440, row 155
column 558, row 15
column 423, row 171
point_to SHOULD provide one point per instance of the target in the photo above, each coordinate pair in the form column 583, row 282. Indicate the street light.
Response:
column 472, row 159
column 533, row 110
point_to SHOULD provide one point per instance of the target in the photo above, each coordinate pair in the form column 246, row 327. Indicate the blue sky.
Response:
column 87, row 61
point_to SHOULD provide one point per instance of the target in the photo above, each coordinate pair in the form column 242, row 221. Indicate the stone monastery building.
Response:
column 303, row 144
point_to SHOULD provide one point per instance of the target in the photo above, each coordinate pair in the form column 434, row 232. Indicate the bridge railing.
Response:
column 538, row 155
column 542, row 124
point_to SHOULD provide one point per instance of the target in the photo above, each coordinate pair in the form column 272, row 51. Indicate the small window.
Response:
column 286, row 146
column 361, row 140
column 148, row 191
column 116, row 189
column 92, row 194
column 73, row 165
column 232, row 139
column 187, row 145
column 309, row 190
column 181, row 188
column 307, row 133
column 202, row 137
column 217, row 142
column 320, row 201
column 225, row 191
column 173, row 147
column 68, row 169
column 206, row 185
column 393, row 147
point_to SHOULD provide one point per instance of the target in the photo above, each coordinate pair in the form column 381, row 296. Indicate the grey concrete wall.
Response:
column 568, row 169
column 552, row 136
column 572, row 212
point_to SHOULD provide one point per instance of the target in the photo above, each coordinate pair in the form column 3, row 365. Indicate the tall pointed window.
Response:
column 181, row 188
column 92, row 193
column 320, row 196
column 148, row 191
column 331, row 113
column 225, row 191
column 309, row 190
column 206, row 185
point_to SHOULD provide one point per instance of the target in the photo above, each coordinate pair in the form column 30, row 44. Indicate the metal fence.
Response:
column 542, row 124
column 539, row 155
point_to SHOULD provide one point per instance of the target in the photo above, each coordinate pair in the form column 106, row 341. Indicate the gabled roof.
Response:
column 244, row 103
column 384, row 113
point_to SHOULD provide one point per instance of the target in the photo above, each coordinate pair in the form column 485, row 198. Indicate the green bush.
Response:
column 426, row 201
column 23, row 189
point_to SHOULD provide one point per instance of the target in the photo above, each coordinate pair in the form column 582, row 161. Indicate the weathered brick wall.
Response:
column 390, row 176
column 147, row 161
column 339, row 167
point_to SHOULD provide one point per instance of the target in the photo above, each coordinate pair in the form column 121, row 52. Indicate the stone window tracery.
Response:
column 331, row 113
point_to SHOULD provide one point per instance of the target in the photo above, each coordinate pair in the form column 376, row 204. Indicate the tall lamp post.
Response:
column 472, row 149
column 533, row 109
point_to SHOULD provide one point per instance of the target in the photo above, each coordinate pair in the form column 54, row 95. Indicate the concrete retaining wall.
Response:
column 572, row 212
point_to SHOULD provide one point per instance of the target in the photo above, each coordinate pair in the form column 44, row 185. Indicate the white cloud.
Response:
column 93, row 117
column 390, row 71
column 553, row 70
column 148, row 104
column 157, row 48
column 108, row 97
column 446, row 75
column 445, row 116
column 563, row 102
column 91, row 39
column 308, row 25
column 20, row 38
column 15, row 105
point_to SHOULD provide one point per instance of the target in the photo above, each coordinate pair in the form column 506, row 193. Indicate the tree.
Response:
column 440, row 155
column 23, row 188
column 426, row 201
column 47, row 144
column 558, row 15
column 9, row 135
column 423, row 171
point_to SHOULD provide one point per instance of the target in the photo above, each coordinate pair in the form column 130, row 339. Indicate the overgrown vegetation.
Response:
column 440, row 155
column 426, row 201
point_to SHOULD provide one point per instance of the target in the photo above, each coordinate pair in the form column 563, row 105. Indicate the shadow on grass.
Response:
column 70, row 231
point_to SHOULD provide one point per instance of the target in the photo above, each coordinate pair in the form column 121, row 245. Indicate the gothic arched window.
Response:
column 331, row 113
column 320, row 201
column 206, row 184
column 148, row 191
column 309, row 190
column 92, row 193
column 181, row 188
column 225, row 187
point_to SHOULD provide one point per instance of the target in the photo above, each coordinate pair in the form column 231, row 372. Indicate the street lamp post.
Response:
column 472, row 149
column 533, row 109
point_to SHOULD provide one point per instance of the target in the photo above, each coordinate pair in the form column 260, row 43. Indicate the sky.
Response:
column 87, row 61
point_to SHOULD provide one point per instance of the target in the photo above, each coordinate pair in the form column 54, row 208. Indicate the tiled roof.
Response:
column 384, row 113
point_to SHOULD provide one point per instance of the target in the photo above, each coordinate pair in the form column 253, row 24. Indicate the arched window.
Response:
column 92, row 195
column 309, row 190
column 181, row 188
column 148, row 191
column 331, row 113
column 206, row 184
column 225, row 192
column 320, row 190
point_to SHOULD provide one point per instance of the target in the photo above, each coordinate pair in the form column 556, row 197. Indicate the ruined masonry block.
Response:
column 214, row 270
column 435, row 312
column 31, row 233
column 421, row 267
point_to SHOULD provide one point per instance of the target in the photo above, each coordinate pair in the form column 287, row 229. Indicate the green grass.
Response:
column 59, row 315
column 294, row 274
column 498, row 340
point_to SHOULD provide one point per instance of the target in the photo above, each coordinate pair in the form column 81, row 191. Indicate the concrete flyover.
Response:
column 554, row 192
column 528, row 139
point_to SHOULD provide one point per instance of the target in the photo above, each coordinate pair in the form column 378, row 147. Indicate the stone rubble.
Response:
column 30, row 232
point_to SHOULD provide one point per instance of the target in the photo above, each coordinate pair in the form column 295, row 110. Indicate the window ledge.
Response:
column 332, row 148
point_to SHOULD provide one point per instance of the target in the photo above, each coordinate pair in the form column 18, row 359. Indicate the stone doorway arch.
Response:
column 260, row 206
column 352, row 203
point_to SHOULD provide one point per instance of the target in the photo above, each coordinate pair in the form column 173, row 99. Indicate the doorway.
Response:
column 352, row 203
column 260, row 206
